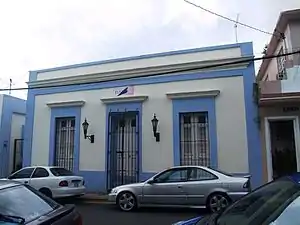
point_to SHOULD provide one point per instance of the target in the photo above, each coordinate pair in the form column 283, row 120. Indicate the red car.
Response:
column 21, row 204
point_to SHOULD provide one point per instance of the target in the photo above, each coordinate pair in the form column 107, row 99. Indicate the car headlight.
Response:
column 114, row 191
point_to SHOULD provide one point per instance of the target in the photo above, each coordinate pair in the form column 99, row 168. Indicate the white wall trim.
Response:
column 65, row 104
column 140, row 72
column 180, row 95
column 296, row 125
column 124, row 99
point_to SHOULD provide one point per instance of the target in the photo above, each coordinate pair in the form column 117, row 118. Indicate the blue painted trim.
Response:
column 28, row 129
column 65, row 112
column 206, row 104
column 246, row 51
column 253, row 132
column 122, row 107
column 94, row 181
column 10, row 106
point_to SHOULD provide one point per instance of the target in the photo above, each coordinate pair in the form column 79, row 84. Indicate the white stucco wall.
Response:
column 230, row 113
column 15, row 133
column 143, row 63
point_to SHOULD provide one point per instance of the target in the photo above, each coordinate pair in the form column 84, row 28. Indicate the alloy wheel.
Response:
column 126, row 201
column 218, row 202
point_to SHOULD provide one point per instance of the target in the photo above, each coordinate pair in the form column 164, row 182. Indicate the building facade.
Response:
column 279, row 99
column 205, row 115
column 12, row 114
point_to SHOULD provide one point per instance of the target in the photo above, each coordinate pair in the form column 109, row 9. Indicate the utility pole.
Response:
column 235, row 27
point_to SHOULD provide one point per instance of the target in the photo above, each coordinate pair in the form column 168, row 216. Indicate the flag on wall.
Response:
column 129, row 90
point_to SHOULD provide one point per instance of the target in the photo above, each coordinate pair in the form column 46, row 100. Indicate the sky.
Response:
column 43, row 34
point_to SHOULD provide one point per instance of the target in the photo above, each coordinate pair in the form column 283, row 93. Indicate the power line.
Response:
column 281, row 35
column 166, row 73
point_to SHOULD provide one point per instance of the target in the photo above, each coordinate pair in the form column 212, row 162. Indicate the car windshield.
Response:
column 262, row 204
column 24, row 202
column 61, row 172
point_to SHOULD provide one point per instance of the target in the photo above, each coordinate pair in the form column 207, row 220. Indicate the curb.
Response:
column 94, row 198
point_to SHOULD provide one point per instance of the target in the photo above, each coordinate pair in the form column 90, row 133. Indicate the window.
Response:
column 198, row 174
column 64, row 142
column 61, row 172
column 260, row 204
column 22, row 174
column 40, row 172
column 173, row 175
column 281, row 66
column 194, row 139
column 24, row 202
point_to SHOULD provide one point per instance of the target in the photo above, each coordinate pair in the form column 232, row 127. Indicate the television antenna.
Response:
column 236, row 27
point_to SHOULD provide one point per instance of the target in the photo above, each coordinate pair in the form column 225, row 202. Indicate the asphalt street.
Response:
column 108, row 214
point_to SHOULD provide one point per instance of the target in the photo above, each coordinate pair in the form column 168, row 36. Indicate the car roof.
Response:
column 8, row 183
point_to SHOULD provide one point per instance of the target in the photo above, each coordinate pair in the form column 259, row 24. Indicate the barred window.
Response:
column 64, row 142
column 194, row 139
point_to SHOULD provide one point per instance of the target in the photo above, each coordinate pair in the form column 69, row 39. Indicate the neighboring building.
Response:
column 279, row 99
column 12, row 114
column 205, row 116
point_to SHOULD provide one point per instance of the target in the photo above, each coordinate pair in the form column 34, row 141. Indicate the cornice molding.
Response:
column 124, row 99
column 195, row 94
column 140, row 72
column 65, row 104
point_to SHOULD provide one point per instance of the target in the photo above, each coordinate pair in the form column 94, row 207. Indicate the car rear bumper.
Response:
column 68, row 192
column 234, row 196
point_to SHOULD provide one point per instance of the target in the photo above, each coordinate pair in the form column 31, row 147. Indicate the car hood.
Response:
column 192, row 221
column 130, row 185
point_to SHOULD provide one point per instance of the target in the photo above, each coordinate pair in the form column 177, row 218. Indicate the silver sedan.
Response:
column 183, row 186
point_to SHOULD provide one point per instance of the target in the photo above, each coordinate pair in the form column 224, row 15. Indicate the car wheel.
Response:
column 46, row 192
column 126, row 201
column 217, row 202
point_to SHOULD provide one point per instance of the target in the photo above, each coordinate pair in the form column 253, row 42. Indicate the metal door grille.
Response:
column 18, row 154
column 194, row 139
column 64, row 142
column 123, row 148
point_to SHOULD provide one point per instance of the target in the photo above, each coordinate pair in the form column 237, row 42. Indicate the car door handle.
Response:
column 179, row 186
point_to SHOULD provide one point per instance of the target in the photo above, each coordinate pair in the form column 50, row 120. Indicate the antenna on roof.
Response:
column 236, row 26
column 10, row 84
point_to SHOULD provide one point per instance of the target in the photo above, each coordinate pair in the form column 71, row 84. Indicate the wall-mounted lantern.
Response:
column 85, row 126
column 156, row 134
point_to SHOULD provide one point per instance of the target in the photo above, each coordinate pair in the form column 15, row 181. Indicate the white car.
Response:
column 54, row 182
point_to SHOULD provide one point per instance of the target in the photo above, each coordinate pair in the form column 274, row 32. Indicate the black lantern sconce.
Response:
column 156, row 134
column 85, row 126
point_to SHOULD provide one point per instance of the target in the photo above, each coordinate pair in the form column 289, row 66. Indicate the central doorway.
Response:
column 123, row 148
column 282, row 147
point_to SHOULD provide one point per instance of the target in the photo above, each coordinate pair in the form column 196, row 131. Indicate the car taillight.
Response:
column 63, row 183
column 83, row 182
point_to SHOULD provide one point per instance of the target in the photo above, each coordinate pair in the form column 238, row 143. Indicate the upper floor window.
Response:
column 281, row 66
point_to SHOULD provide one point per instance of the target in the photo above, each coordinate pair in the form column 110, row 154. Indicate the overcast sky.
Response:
column 39, row 34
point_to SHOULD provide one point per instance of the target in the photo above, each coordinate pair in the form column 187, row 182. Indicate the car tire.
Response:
column 126, row 201
column 46, row 192
column 217, row 201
